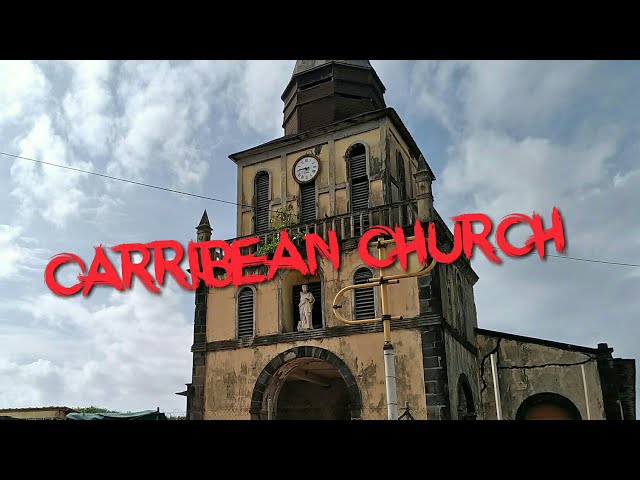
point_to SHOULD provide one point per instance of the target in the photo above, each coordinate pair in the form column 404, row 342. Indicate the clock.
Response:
column 306, row 169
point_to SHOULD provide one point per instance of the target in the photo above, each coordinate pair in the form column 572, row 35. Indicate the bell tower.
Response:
column 322, row 92
column 275, row 349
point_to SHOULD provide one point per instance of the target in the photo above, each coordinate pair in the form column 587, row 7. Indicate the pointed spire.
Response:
column 204, row 229
column 204, row 221
column 422, row 164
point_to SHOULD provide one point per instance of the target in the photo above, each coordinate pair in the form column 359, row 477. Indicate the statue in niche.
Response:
column 306, row 308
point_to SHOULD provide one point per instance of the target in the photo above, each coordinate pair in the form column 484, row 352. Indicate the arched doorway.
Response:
column 466, row 404
column 548, row 406
column 306, row 383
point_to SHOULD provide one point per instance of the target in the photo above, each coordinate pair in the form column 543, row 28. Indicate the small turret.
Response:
column 204, row 228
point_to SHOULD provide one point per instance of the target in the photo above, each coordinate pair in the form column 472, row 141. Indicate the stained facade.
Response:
column 346, row 162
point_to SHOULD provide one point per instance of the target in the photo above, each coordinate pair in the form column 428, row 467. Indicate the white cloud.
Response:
column 521, row 94
column 167, row 115
column 87, row 106
column 259, row 103
column 504, row 174
column 53, row 192
column 23, row 87
column 130, row 354
column 17, row 255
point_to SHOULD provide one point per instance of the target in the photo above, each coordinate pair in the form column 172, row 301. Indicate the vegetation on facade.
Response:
column 283, row 219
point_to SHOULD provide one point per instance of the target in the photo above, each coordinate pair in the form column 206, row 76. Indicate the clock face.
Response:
column 306, row 169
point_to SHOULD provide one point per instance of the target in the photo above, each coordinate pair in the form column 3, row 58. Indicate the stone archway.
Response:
column 548, row 406
column 466, row 403
column 275, row 378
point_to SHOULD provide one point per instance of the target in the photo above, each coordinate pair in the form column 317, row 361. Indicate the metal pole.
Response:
column 387, row 349
column 586, row 393
column 269, row 409
column 390, row 379
column 496, row 385
column 385, row 317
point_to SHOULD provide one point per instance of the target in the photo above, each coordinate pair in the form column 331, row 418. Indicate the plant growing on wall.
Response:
column 282, row 219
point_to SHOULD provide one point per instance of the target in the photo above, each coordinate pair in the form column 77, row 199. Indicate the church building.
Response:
column 276, row 349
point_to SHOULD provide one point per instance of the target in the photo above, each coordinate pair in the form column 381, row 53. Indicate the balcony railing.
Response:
column 349, row 225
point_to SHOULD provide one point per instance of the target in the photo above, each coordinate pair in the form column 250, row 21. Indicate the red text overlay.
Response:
column 207, row 268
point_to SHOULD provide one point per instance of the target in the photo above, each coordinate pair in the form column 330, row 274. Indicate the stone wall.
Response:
column 527, row 367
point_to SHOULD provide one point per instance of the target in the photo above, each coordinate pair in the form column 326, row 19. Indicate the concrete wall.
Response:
column 516, row 385
column 231, row 374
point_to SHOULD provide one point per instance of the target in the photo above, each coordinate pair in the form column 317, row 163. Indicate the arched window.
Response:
column 402, row 179
column 401, row 193
column 363, row 298
column 358, row 178
column 548, row 406
column 246, row 312
column 261, row 203
column 466, row 405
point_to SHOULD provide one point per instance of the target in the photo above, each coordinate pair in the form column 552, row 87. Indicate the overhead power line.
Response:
column 129, row 181
column 594, row 261
column 240, row 204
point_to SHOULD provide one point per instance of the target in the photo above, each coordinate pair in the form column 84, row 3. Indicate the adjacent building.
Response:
column 39, row 413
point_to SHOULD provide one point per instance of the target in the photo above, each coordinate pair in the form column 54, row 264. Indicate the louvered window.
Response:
column 364, row 298
column 308, row 202
column 245, row 313
column 359, row 182
column 261, row 213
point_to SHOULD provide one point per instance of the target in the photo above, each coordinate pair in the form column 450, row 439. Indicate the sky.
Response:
column 500, row 136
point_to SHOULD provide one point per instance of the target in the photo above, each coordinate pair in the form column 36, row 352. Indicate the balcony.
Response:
column 348, row 226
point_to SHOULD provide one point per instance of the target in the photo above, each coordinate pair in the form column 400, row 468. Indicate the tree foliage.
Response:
column 93, row 409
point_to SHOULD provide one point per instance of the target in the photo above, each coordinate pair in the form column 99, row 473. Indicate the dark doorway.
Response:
column 316, row 289
column 313, row 391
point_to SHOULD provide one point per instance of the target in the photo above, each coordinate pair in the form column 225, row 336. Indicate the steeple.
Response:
column 204, row 228
column 322, row 92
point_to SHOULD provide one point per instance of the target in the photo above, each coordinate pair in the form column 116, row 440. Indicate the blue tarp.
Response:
column 144, row 415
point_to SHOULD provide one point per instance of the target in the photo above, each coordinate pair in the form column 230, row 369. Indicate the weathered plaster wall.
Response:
column 273, row 301
column 331, row 183
column 231, row 374
column 516, row 385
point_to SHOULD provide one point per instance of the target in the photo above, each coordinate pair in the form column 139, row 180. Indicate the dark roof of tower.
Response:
column 306, row 65
column 204, row 221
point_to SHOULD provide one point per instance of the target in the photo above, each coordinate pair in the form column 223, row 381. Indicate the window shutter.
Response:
column 262, row 203
column 359, row 183
column 364, row 297
column 358, row 166
column 245, row 313
column 308, row 202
